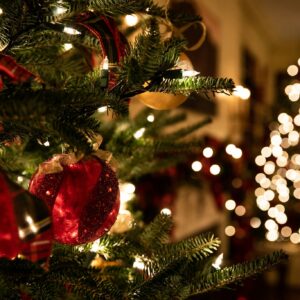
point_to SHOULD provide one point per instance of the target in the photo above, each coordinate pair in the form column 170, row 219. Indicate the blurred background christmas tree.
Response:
column 102, row 116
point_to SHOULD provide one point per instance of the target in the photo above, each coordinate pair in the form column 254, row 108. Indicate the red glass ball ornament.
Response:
column 83, row 196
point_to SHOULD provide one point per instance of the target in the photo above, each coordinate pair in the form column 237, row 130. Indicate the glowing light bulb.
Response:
column 269, row 167
column 266, row 152
column 242, row 92
column 240, row 210
column 196, row 166
column 230, row 204
column 295, row 238
column 1, row 11
column 255, row 222
column 283, row 118
column 292, row 70
column 286, row 231
column 138, row 264
column 139, row 133
column 150, row 118
column 102, row 109
column 215, row 169
column 237, row 153
column 166, row 211
column 230, row 230
column 272, row 236
column 208, row 152
column 230, row 148
column 218, row 262
column 71, row 31
column 131, row 20
column 68, row 46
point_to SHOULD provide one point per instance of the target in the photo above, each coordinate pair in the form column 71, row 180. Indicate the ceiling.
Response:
column 279, row 20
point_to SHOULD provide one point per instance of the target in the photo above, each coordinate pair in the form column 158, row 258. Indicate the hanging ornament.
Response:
column 164, row 101
column 24, row 223
column 83, row 195
column 113, row 43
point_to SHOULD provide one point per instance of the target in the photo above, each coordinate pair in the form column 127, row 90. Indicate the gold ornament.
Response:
column 164, row 101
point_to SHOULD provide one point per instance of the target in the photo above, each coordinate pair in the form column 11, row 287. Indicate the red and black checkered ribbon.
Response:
column 12, row 71
column 112, row 41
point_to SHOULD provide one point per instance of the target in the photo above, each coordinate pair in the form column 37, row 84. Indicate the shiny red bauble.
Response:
column 83, row 196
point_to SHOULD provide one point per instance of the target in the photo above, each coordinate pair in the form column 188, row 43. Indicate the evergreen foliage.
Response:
column 57, row 111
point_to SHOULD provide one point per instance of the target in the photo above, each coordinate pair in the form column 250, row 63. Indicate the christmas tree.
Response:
column 62, row 62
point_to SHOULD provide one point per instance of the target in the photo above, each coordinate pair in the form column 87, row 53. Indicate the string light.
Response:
column 242, row 92
column 166, row 211
column 230, row 230
column 196, row 166
column 240, row 210
column 102, row 109
column 292, row 70
column 255, row 222
column 68, row 46
column 139, row 133
column 131, row 20
column 215, row 169
column 218, row 262
column 208, row 152
column 150, row 118
column 230, row 204
column 71, row 31
column 1, row 11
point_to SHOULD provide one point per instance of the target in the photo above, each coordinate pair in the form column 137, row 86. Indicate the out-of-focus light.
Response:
column 20, row 179
column 218, row 262
column 150, row 118
column 196, row 166
column 240, row 210
column 215, row 169
column 68, row 46
column 272, row 236
column 208, row 152
column 259, row 177
column 276, row 140
column 266, row 152
column 242, row 92
column 269, row 167
column 298, row 61
column 288, row 89
column 237, row 153
column 295, row 238
column 260, row 160
column 293, row 137
column 269, row 195
column 131, row 20
column 166, row 211
column 281, row 218
column 286, row 231
column 294, row 96
column 230, row 204
column 255, row 222
column 283, row 118
column 271, row 225
column 230, row 148
column 47, row 144
column 102, row 109
column 292, row 70
column 127, row 187
column 297, row 120
column 259, row 191
column 277, row 151
column 139, row 133
column 1, row 11
column 230, row 230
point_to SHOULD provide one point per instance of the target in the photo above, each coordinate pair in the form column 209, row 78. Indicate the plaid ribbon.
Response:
column 13, row 71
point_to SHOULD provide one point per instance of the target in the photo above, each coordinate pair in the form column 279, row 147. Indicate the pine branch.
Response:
column 234, row 274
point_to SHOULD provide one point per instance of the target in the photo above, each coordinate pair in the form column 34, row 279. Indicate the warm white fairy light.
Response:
column 215, row 169
column 59, row 10
column 272, row 236
column 269, row 167
column 259, row 177
column 259, row 191
column 138, row 263
column 292, row 70
column 150, row 118
column 218, row 262
column 1, row 11
column 260, row 160
column 102, row 109
column 286, row 231
column 20, row 179
column 131, row 20
column 296, row 193
column 71, row 31
column 230, row 230
column 139, row 133
column 127, row 190
column 166, row 211
column 230, row 204
column 68, row 46
column 242, row 92
column 240, row 210
column 281, row 218
column 237, row 153
column 266, row 152
column 276, row 139
column 255, row 222
column 208, row 152
column 196, row 166
column 297, row 120
column 269, row 195
column 230, row 148
column 295, row 238
column 277, row 151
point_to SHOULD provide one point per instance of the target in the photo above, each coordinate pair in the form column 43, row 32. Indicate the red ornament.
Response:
column 24, row 223
column 83, row 196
